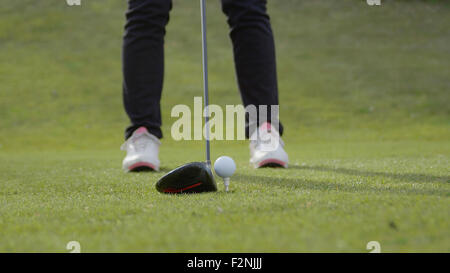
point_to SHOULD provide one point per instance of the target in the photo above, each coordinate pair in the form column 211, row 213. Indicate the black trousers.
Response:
column 143, row 58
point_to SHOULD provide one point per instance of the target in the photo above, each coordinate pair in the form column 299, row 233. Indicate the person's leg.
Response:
column 254, row 53
column 143, row 63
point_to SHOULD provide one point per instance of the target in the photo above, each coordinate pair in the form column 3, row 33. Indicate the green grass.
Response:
column 364, row 97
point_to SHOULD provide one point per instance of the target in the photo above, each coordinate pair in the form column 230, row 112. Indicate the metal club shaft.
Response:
column 205, row 79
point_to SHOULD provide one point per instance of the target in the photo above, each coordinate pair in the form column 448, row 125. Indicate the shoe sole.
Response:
column 272, row 163
column 142, row 167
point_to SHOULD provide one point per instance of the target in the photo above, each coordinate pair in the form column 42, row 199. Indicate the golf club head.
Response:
column 195, row 177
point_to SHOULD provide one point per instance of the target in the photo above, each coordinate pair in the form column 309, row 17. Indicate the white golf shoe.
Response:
column 142, row 151
column 267, row 148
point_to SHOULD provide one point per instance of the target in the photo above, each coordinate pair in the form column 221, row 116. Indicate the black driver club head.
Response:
column 195, row 177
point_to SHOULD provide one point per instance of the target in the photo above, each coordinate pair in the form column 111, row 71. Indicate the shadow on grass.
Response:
column 307, row 184
column 407, row 177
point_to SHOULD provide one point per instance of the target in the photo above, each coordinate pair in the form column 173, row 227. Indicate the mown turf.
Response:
column 364, row 99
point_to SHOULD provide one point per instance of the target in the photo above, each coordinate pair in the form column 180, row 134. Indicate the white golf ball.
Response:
column 224, row 166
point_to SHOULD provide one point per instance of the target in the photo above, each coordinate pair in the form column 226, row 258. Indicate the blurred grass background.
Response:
column 347, row 71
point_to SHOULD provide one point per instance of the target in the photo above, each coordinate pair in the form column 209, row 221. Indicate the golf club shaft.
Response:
column 205, row 79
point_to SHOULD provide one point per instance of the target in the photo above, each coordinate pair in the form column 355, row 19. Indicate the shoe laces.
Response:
column 263, row 136
column 139, row 141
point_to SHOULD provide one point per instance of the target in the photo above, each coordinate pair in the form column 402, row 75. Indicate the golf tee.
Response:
column 226, row 182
